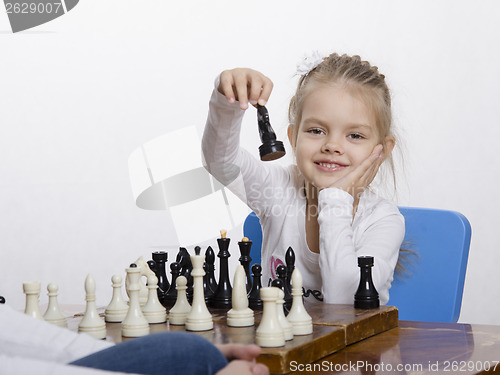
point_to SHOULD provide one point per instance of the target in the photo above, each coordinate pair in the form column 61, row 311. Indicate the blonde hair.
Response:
column 356, row 75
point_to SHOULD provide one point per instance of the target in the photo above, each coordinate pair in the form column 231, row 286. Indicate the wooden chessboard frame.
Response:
column 334, row 328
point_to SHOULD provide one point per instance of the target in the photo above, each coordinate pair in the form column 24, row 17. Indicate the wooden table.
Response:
column 420, row 348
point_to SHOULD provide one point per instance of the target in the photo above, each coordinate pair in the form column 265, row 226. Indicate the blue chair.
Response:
column 432, row 286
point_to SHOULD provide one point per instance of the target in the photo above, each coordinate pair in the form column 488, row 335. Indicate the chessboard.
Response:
column 334, row 328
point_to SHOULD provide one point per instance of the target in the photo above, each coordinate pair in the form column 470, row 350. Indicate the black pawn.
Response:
column 245, row 247
column 271, row 148
column 171, row 295
column 223, row 294
column 254, row 301
column 366, row 296
column 184, row 259
column 209, row 283
column 290, row 266
column 160, row 258
column 282, row 275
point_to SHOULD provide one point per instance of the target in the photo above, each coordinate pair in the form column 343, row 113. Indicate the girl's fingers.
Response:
column 241, row 86
column 267, row 87
column 226, row 86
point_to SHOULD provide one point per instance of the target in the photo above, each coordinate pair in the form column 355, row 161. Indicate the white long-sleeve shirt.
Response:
column 276, row 195
column 32, row 346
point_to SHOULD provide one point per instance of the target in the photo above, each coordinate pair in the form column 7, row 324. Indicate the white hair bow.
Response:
column 308, row 63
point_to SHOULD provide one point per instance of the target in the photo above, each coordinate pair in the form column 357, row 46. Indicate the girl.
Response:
column 340, row 132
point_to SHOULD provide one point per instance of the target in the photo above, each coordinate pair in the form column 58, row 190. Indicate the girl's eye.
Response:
column 355, row 136
column 316, row 131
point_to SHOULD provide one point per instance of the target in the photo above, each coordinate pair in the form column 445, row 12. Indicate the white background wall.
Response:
column 79, row 94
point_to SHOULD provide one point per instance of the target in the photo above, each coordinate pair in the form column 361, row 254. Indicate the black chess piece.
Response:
column 366, row 296
column 254, row 301
column 281, row 270
column 245, row 247
column 171, row 295
column 223, row 294
column 184, row 259
column 271, row 148
column 160, row 258
column 2, row 299
column 209, row 283
column 290, row 266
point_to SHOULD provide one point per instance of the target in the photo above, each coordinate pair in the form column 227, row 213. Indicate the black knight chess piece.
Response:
column 271, row 148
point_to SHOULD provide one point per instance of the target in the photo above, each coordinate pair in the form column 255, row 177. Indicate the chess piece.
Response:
column 271, row 148
column 254, row 300
column 240, row 315
column 285, row 324
column 209, row 278
column 145, row 271
column 2, row 299
column 184, row 259
column 32, row 291
column 366, row 296
column 298, row 316
column 199, row 318
column 278, row 283
column 171, row 295
column 91, row 323
column 134, row 324
column 245, row 246
column 222, row 297
column 160, row 258
column 282, row 275
column 117, row 308
column 53, row 314
column 178, row 313
column 290, row 266
column 153, row 310
column 270, row 333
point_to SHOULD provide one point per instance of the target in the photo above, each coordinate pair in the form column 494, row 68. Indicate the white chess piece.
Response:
column 199, row 318
column 117, row 308
column 240, row 315
column 270, row 332
column 178, row 313
column 32, row 291
column 91, row 323
column 153, row 310
column 287, row 326
column 145, row 271
column 298, row 316
column 134, row 324
column 53, row 314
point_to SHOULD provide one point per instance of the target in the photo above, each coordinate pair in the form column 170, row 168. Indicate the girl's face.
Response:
column 337, row 132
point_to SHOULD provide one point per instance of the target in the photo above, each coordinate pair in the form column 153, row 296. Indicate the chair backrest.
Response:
column 432, row 287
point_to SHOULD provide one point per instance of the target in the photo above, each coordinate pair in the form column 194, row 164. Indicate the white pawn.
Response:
column 298, row 316
column 270, row 332
column 287, row 326
column 32, row 291
column 153, row 310
column 134, row 324
column 91, row 323
column 53, row 314
column 117, row 308
column 199, row 318
column 240, row 315
column 178, row 313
